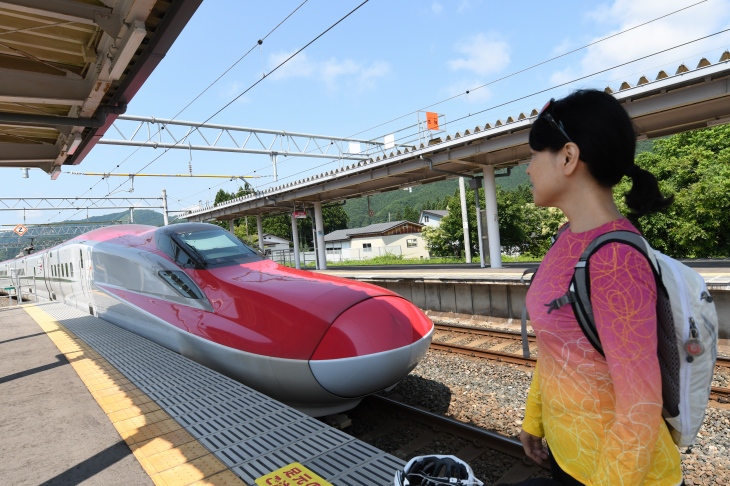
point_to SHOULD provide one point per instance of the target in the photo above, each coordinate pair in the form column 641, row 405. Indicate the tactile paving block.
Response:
column 244, row 430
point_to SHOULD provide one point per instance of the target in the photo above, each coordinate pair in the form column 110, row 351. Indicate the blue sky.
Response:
column 387, row 60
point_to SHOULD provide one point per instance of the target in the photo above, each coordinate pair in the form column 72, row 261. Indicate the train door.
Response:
column 44, row 275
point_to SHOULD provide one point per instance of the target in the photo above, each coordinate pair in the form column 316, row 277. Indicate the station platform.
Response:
column 470, row 292
column 99, row 404
column 716, row 274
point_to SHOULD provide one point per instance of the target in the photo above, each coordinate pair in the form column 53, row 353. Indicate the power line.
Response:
column 506, row 77
column 266, row 75
column 549, row 89
column 530, row 68
column 258, row 43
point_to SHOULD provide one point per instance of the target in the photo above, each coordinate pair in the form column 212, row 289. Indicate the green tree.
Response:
column 523, row 227
column 694, row 167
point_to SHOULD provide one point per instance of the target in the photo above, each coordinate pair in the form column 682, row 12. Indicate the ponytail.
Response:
column 645, row 197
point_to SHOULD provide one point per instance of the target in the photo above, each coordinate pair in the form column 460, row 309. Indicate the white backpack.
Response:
column 687, row 328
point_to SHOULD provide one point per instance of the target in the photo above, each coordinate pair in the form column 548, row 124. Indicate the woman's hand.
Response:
column 533, row 447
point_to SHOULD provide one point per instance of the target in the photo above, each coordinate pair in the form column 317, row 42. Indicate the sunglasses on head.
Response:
column 547, row 115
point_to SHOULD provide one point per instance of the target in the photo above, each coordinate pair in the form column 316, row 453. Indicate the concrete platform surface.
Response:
column 52, row 431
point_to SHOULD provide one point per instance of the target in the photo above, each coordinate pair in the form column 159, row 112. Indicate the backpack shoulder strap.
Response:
column 579, row 293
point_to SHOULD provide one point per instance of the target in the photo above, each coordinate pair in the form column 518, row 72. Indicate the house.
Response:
column 394, row 238
column 432, row 217
column 273, row 242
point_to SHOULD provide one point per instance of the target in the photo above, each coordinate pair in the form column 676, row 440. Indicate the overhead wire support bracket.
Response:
column 198, row 135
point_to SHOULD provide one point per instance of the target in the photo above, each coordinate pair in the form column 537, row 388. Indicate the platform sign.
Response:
column 432, row 120
column 20, row 230
column 299, row 214
column 292, row 475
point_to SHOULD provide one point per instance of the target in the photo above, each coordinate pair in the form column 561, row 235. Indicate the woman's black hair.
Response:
column 598, row 124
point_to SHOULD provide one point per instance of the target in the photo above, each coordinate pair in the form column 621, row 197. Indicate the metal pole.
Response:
column 295, row 237
column 165, row 218
column 321, row 248
column 490, row 199
column 131, row 215
column 465, row 220
column 479, row 228
column 260, row 229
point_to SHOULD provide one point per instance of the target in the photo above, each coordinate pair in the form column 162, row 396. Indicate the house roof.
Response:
column 437, row 212
column 346, row 234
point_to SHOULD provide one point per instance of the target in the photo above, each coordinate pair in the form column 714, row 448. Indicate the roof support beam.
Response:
column 25, row 152
column 68, row 10
column 27, row 87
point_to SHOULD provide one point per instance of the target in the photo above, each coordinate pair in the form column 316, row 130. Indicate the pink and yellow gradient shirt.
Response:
column 602, row 417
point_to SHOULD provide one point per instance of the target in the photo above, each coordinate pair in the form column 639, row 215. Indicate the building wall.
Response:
column 433, row 221
column 396, row 241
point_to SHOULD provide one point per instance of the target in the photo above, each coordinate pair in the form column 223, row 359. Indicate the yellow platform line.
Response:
column 166, row 451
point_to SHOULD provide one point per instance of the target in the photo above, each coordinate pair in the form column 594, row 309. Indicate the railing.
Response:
column 309, row 258
column 344, row 254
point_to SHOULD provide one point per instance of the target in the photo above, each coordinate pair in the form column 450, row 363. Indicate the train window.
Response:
column 71, row 269
column 206, row 248
column 65, row 269
column 81, row 256
column 182, row 284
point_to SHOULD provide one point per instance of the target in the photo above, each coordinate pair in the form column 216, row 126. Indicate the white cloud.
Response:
column 676, row 29
column 298, row 66
column 482, row 55
column 436, row 7
column 233, row 89
column 332, row 72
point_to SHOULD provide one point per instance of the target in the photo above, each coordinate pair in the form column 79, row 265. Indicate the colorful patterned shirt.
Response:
column 601, row 417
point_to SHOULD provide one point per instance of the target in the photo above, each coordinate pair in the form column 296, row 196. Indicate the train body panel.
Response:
column 318, row 343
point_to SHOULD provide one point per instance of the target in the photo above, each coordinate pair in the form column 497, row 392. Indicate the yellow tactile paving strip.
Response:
column 169, row 454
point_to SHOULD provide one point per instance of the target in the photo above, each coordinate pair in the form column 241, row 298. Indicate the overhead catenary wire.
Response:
column 258, row 43
column 266, row 75
column 580, row 78
column 504, row 78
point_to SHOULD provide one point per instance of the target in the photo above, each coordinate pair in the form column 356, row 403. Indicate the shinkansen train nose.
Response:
column 371, row 346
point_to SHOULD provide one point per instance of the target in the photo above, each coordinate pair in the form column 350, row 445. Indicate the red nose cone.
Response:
column 373, row 326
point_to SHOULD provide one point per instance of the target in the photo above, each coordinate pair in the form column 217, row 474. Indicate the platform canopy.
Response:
column 69, row 67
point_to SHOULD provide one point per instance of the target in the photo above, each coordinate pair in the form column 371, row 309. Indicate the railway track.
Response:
column 488, row 344
column 406, row 431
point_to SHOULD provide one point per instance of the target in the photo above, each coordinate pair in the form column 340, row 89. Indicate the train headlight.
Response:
column 181, row 283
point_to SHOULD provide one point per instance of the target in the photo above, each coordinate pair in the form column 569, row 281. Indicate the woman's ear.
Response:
column 571, row 156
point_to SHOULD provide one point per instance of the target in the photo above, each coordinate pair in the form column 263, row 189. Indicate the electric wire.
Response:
column 507, row 77
column 266, row 75
column 256, row 44
column 529, row 68
column 543, row 91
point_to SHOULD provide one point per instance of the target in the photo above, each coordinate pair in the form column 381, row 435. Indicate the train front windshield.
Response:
column 218, row 247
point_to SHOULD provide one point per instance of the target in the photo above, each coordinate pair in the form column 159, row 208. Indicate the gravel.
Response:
column 492, row 395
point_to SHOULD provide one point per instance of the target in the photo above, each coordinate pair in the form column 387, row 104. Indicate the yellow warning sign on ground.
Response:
column 292, row 475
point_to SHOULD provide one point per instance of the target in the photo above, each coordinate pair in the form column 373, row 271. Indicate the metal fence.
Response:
column 309, row 258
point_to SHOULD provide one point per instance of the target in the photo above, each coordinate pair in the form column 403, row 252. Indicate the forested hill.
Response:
column 405, row 204
column 10, row 243
column 141, row 216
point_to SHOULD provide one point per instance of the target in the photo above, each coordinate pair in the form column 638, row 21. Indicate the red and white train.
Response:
column 315, row 342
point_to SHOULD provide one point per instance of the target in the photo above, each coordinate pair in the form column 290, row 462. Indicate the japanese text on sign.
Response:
column 292, row 475
column 432, row 120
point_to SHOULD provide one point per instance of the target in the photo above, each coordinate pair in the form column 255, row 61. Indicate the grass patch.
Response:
column 399, row 260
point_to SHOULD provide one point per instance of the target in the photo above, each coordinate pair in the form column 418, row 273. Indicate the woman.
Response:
column 601, row 417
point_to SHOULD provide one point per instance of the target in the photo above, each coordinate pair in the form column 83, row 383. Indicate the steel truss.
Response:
column 158, row 133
